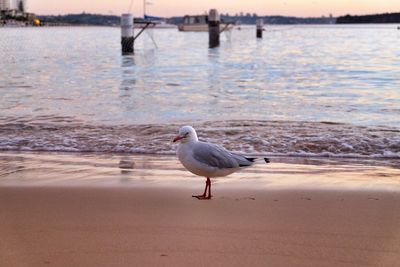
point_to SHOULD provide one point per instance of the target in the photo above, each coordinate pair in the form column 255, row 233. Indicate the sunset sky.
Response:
column 167, row 8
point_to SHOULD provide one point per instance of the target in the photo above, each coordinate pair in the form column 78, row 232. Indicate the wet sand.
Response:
column 148, row 220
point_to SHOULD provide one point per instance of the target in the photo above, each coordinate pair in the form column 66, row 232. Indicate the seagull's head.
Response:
column 186, row 134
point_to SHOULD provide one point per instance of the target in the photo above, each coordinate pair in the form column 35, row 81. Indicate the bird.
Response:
column 206, row 159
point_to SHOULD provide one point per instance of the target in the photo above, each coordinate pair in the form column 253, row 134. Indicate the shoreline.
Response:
column 55, row 169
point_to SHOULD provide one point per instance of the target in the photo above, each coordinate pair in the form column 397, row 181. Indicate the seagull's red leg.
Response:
column 204, row 195
column 208, row 182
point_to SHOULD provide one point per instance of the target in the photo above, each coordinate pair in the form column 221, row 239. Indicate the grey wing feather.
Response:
column 217, row 156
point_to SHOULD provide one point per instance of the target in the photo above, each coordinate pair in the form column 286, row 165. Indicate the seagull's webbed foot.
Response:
column 206, row 190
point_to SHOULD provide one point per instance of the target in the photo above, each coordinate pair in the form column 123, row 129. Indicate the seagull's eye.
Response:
column 186, row 134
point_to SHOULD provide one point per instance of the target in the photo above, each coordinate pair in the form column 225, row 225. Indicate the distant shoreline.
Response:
column 365, row 19
column 344, row 25
column 110, row 20
column 87, row 19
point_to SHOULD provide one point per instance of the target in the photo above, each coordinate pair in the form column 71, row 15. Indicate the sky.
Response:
column 168, row 8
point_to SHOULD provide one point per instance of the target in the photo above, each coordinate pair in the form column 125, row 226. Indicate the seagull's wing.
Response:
column 216, row 156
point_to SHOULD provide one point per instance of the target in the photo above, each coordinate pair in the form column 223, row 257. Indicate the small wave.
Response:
column 391, row 110
column 274, row 138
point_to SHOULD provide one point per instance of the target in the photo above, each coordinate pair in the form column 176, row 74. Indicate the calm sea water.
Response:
column 301, row 90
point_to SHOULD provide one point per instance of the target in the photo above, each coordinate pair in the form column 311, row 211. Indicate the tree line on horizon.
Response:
column 98, row 19
column 374, row 18
column 112, row 20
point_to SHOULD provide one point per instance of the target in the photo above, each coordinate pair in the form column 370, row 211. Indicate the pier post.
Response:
column 213, row 28
column 127, row 38
column 259, row 27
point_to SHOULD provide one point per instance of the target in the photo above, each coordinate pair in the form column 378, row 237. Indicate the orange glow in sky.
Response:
column 168, row 8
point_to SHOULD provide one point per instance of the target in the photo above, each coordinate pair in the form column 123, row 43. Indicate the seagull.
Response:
column 206, row 159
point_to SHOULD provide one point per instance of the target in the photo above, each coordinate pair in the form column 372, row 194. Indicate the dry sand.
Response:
column 159, row 224
column 72, row 226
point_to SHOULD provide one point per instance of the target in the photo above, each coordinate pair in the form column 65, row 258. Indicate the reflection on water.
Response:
column 128, row 79
column 333, row 73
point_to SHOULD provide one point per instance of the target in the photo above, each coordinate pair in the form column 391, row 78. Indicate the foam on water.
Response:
column 276, row 138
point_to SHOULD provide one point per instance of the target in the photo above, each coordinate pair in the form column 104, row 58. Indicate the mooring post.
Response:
column 259, row 27
column 213, row 28
column 127, row 38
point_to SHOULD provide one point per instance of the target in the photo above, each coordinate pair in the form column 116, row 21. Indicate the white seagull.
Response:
column 208, row 160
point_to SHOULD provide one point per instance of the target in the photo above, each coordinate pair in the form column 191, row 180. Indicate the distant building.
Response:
column 6, row 4
column 12, row 4
column 17, row 4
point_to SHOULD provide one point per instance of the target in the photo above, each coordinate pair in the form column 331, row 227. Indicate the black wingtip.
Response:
column 266, row 160
column 251, row 159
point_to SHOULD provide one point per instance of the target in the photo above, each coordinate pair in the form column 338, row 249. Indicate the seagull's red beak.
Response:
column 178, row 138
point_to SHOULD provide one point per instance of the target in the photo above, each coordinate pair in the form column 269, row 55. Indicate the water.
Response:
column 300, row 91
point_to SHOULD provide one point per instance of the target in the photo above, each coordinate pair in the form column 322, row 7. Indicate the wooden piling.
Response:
column 259, row 27
column 127, row 38
column 213, row 28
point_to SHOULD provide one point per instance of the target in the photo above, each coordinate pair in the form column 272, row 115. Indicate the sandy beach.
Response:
column 147, row 220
